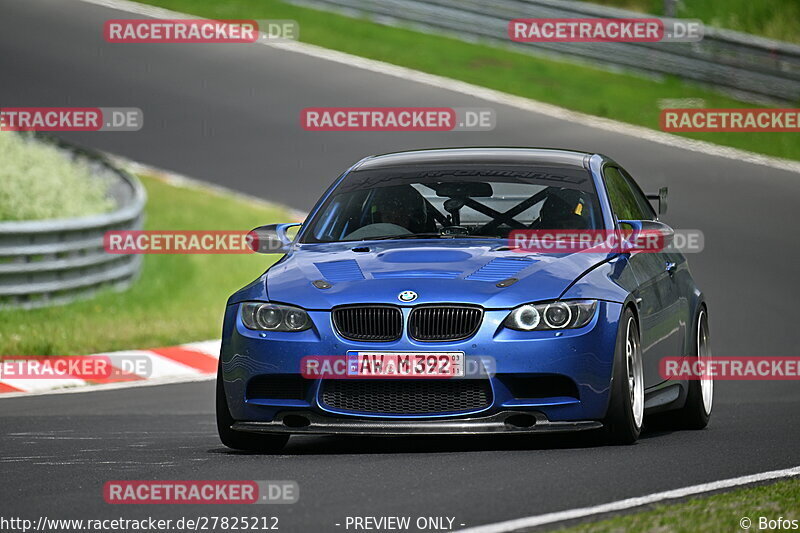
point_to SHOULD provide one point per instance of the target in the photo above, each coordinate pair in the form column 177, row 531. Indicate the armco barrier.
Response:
column 49, row 262
column 756, row 68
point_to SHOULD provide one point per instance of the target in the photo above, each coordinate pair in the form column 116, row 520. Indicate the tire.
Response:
column 696, row 412
column 625, row 416
column 251, row 442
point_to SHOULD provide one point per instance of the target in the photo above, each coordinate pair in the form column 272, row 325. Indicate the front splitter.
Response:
column 507, row 422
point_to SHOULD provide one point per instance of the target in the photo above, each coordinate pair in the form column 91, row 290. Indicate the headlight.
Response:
column 273, row 317
column 568, row 314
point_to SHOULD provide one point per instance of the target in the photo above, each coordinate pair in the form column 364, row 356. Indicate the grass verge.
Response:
column 623, row 97
column 717, row 513
column 177, row 299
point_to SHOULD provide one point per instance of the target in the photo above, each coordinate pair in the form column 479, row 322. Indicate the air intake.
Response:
column 406, row 396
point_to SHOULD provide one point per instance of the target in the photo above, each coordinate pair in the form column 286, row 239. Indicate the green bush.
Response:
column 38, row 181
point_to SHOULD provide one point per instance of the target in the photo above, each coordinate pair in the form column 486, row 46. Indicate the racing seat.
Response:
column 562, row 209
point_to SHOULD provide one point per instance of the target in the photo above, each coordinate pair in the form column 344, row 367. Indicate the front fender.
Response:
column 612, row 281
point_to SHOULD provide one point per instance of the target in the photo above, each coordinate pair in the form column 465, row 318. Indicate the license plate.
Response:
column 406, row 364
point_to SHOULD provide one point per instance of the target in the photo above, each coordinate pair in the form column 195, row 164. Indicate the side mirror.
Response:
column 662, row 199
column 270, row 239
column 646, row 235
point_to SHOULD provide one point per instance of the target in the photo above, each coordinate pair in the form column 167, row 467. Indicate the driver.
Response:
column 396, row 210
column 404, row 206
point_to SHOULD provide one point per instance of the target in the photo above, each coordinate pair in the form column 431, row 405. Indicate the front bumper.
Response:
column 584, row 356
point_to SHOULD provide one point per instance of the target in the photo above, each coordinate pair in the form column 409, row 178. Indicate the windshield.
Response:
column 478, row 202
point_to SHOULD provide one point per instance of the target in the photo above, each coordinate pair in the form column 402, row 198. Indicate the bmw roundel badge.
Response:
column 407, row 296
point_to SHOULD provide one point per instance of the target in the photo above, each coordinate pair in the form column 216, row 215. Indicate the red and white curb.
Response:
column 188, row 362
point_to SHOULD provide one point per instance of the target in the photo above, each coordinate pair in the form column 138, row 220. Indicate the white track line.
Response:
column 476, row 91
column 630, row 503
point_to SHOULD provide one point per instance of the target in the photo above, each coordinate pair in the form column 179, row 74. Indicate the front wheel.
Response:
column 625, row 416
column 238, row 440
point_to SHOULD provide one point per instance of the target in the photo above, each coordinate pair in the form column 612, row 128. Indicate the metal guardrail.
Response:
column 51, row 262
column 752, row 67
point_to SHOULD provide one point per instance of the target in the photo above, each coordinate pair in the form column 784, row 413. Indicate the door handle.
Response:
column 671, row 267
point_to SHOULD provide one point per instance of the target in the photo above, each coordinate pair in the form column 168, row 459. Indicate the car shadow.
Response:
column 659, row 425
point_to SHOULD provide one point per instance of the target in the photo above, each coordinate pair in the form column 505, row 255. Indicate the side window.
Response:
column 641, row 199
column 622, row 197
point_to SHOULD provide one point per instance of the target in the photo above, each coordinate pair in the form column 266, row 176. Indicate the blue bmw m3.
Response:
column 405, row 274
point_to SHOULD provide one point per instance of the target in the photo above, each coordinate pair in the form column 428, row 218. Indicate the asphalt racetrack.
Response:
column 229, row 114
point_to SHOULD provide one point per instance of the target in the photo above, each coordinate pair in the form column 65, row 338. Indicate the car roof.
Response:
column 485, row 155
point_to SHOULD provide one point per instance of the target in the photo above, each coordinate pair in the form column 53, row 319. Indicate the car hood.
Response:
column 457, row 271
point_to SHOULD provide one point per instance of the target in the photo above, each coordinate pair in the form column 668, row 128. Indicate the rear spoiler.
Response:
column 661, row 196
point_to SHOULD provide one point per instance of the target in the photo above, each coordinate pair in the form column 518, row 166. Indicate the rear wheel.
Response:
column 238, row 440
column 623, row 422
column 700, row 396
